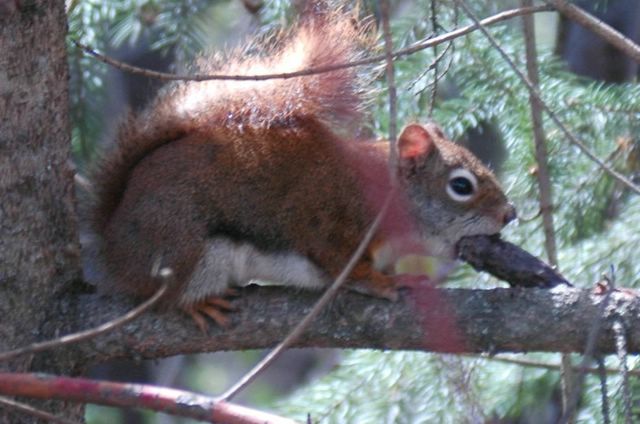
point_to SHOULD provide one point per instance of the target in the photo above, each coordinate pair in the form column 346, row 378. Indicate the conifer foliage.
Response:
column 596, row 216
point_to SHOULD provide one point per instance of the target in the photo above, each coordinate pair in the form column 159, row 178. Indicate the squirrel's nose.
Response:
column 510, row 214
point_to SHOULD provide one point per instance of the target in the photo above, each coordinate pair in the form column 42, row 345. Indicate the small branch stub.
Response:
column 508, row 262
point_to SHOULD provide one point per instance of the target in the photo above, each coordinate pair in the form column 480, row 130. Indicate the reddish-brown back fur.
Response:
column 222, row 156
column 292, row 189
column 182, row 108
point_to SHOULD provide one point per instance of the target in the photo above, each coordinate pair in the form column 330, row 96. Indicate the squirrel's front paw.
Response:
column 378, row 285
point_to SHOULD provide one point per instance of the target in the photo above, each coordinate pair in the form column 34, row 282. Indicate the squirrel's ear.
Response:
column 415, row 142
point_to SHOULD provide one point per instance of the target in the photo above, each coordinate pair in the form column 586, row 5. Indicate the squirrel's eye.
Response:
column 462, row 185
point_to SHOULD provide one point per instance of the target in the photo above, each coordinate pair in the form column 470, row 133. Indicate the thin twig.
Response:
column 434, row 88
column 328, row 295
column 572, row 138
column 621, row 347
column 589, row 349
column 544, row 184
column 547, row 366
column 459, row 378
column 162, row 399
column 371, row 378
column 421, row 45
column 313, row 313
column 541, row 154
column 34, row 412
column 90, row 333
column 604, row 30
column 604, row 396
column 433, row 66
column 391, row 84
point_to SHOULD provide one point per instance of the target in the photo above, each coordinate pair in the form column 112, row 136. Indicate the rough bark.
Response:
column 438, row 320
column 38, row 250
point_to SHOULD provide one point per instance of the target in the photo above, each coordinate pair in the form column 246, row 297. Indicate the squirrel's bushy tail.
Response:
column 318, row 40
column 321, row 38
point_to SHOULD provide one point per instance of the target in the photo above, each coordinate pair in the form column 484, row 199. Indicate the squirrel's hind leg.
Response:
column 226, row 262
column 214, row 307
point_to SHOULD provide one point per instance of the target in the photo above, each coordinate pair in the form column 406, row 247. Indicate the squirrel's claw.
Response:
column 214, row 307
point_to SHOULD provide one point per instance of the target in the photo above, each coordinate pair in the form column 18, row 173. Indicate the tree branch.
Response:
column 163, row 399
column 34, row 412
column 604, row 30
column 545, row 196
column 86, row 334
column 534, row 92
column 421, row 45
column 437, row 320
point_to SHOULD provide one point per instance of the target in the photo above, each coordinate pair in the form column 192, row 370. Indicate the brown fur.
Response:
column 287, row 190
column 182, row 108
column 267, row 163
column 184, row 160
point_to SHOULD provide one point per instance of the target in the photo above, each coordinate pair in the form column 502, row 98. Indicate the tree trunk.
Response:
column 38, row 240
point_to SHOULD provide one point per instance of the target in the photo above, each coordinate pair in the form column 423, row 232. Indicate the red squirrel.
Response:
column 224, row 182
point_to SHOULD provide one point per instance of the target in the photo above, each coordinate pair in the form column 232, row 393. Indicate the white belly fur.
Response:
column 226, row 263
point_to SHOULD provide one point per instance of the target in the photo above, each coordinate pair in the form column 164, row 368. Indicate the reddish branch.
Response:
column 171, row 401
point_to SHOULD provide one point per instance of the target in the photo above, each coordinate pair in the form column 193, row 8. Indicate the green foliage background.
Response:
column 595, row 216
